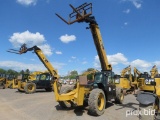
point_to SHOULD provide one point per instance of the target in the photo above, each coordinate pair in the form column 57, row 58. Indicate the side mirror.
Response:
column 153, row 83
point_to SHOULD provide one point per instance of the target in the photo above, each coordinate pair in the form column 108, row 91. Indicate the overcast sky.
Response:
column 129, row 28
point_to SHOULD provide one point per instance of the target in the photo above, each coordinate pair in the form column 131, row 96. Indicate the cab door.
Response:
column 42, row 81
column 110, row 86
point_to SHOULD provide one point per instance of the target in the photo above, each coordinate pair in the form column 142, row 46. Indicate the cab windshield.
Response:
column 37, row 77
column 10, row 77
column 43, row 77
column 98, row 77
column 25, row 77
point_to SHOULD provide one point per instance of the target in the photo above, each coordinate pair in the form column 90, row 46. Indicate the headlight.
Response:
column 117, row 81
column 148, row 81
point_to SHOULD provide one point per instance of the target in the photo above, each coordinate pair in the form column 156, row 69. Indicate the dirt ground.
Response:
column 42, row 106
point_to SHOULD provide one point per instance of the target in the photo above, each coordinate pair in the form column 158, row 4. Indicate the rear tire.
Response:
column 30, row 88
column 20, row 90
column 65, row 104
column 3, row 84
column 119, row 95
column 97, row 102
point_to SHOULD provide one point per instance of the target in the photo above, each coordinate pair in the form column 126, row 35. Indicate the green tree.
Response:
column 73, row 74
column 90, row 76
column 12, row 72
column 2, row 71
column 90, row 69
column 22, row 72
column 27, row 71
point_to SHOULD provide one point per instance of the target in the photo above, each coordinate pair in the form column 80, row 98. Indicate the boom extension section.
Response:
column 40, row 55
column 154, row 71
column 127, row 69
column 83, row 14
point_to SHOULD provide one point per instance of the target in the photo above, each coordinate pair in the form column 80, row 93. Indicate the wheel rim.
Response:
column 67, row 102
column 121, row 97
column 100, row 102
column 30, row 88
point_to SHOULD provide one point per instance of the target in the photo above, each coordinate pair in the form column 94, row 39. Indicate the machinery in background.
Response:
column 2, row 81
column 11, row 82
column 144, row 80
column 125, row 80
column 27, row 82
column 24, row 78
column 90, row 75
column 149, row 96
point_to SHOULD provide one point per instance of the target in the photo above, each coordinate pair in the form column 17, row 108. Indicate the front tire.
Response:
column 20, row 90
column 65, row 104
column 30, row 88
column 97, row 102
column 119, row 95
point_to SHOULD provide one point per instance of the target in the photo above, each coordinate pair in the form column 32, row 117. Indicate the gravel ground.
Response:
column 42, row 106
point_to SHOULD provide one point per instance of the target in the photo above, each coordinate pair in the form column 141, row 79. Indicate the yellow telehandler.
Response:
column 22, row 79
column 101, row 90
column 36, row 80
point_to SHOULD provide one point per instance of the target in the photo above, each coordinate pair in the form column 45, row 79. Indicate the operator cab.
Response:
column 10, row 77
column 24, row 77
column 43, row 80
column 147, row 78
column 117, row 79
column 105, row 81
column 2, row 75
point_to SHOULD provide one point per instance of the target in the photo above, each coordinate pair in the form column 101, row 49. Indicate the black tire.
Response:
column 119, row 95
column 96, row 102
column 48, row 89
column 143, row 115
column 20, row 90
column 30, row 88
column 11, row 86
column 65, row 104
column 15, row 81
column 3, row 84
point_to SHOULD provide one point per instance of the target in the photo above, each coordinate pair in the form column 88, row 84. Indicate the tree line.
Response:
column 71, row 75
column 13, row 72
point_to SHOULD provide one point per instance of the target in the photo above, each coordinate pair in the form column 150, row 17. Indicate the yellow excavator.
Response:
column 125, row 80
column 90, row 73
column 101, row 90
column 145, row 79
column 149, row 96
column 137, row 75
